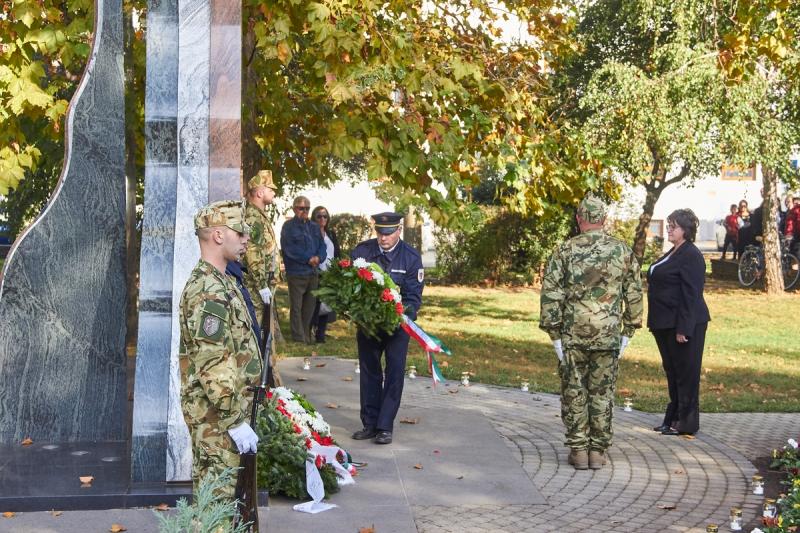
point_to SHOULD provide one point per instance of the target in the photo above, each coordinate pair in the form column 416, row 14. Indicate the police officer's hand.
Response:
column 559, row 349
column 245, row 438
column 681, row 338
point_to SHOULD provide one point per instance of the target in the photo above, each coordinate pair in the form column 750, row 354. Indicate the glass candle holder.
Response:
column 758, row 484
column 627, row 405
column 736, row 519
column 712, row 528
column 524, row 386
column 358, row 368
column 770, row 509
column 306, row 364
column 465, row 379
column 412, row 372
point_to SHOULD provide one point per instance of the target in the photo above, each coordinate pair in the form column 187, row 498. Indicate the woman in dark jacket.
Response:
column 322, row 316
column 678, row 316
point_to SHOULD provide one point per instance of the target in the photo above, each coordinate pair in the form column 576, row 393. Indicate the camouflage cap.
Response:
column 262, row 179
column 222, row 213
column 592, row 209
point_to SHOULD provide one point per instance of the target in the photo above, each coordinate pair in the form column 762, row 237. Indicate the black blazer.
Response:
column 675, row 291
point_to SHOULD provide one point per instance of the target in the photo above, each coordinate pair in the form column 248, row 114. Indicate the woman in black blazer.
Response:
column 678, row 316
column 321, row 319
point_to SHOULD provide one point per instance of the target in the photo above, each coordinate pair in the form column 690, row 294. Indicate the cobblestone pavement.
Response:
column 652, row 482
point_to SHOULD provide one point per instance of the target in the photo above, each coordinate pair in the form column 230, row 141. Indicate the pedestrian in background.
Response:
column 303, row 250
column 218, row 348
column 792, row 230
column 591, row 304
column 731, row 232
column 323, row 314
column 677, row 316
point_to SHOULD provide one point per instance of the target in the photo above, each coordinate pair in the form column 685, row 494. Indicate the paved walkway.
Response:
column 493, row 460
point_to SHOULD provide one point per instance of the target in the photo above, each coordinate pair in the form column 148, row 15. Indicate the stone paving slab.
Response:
column 647, row 474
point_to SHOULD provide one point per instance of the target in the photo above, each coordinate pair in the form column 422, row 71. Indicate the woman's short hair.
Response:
column 687, row 220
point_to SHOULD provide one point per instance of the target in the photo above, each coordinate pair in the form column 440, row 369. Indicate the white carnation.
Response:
column 792, row 443
column 395, row 295
column 360, row 263
column 378, row 277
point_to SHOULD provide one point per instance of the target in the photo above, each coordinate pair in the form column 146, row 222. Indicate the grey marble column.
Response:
column 194, row 155
column 63, row 288
column 151, row 402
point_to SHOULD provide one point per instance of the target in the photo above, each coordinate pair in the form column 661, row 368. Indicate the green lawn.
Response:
column 751, row 362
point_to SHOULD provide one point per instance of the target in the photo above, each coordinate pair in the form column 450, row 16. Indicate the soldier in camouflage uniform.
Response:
column 219, row 351
column 261, row 257
column 591, row 304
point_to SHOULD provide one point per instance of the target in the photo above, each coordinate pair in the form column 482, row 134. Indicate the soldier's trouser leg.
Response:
column 209, row 459
column 587, row 400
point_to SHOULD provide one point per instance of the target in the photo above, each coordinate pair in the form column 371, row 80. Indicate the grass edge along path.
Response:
column 751, row 361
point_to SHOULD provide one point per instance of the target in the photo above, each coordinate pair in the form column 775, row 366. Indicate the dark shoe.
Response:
column 670, row 431
column 364, row 434
column 383, row 437
column 661, row 428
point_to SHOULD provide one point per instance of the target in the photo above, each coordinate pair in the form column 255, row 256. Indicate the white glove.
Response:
column 559, row 350
column 244, row 437
column 623, row 343
column 266, row 295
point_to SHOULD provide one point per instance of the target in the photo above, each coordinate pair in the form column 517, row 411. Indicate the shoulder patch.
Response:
column 212, row 321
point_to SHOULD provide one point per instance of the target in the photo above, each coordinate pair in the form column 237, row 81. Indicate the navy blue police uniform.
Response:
column 381, row 389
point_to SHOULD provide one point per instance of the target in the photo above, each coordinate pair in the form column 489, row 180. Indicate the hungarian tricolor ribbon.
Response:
column 429, row 343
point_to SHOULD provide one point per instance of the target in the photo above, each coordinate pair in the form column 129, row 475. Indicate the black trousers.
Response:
column 730, row 240
column 682, row 363
column 381, row 389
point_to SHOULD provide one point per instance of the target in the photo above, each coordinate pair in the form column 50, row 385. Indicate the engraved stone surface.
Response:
column 151, row 401
column 63, row 288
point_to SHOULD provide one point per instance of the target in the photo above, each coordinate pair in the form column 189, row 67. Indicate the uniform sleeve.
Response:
column 255, row 260
column 412, row 288
column 692, row 279
column 552, row 297
column 214, row 361
column 632, row 298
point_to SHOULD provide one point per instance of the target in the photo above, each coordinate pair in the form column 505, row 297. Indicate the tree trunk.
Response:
column 640, row 237
column 773, row 273
column 251, row 151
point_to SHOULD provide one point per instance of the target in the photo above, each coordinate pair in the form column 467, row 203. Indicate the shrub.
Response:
column 350, row 230
column 504, row 247
column 625, row 230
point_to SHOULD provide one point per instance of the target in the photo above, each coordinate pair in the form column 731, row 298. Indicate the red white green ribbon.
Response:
column 429, row 343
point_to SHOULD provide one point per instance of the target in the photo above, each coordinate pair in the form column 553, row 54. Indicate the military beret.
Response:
column 592, row 209
column 387, row 223
column 262, row 179
column 222, row 213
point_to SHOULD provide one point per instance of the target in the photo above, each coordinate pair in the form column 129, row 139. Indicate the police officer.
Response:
column 380, row 396
column 219, row 351
column 261, row 258
column 591, row 304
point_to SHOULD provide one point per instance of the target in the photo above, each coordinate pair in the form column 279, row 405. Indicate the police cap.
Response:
column 228, row 213
column 592, row 209
column 387, row 223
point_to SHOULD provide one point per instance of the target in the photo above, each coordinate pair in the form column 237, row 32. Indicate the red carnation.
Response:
column 365, row 274
column 326, row 441
column 386, row 295
column 399, row 308
column 297, row 428
column 308, row 443
column 269, row 395
column 344, row 263
column 319, row 461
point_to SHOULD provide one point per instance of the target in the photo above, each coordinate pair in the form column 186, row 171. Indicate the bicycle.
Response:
column 752, row 266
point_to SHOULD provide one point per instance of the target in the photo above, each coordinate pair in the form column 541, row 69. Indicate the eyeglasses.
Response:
column 672, row 227
column 321, row 216
column 301, row 207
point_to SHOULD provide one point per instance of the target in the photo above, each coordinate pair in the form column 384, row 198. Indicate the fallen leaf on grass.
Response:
column 86, row 481
column 161, row 507
column 331, row 406
column 347, row 378
column 370, row 529
column 719, row 387
column 27, row 441
column 56, row 513
column 116, row 528
column 8, row 514
column 302, row 379
column 320, row 365
column 409, row 420
column 444, row 364
column 418, row 466
column 667, row 506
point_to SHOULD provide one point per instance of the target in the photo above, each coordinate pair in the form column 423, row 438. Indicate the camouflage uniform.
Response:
column 261, row 259
column 591, row 297
column 219, row 359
